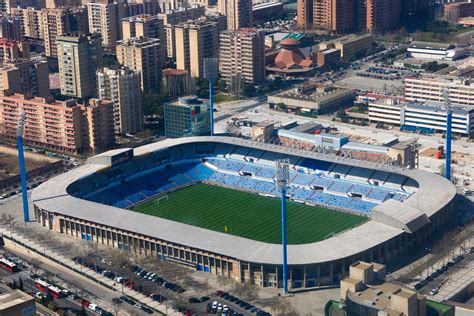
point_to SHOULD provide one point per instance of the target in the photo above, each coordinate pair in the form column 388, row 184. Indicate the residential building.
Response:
column 123, row 87
column 146, row 25
column 6, row 5
column 239, row 14
column 365, row 292
column 242, row 54
column 349, row 45
column 10, row 27
column 100, row 134
column 430, row 88
column 78, row 58
column 17, row 303
column 61, row 21
column 13, row 50
column 426, row 117
column 174, row 17
column 177, row 83
column 304, row 17
column 48, row 24
column 105, row 19
column 334, row 16
column 458, row 9
column 380, row 15
column 143, row 55
column 48, row 123
column 189, row 116
column 194, row 41
column 25, row 77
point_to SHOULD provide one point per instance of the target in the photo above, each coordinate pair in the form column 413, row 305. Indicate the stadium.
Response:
column 210, row 203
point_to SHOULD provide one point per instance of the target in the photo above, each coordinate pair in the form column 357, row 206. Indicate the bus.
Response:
column 8, row 265
column 42, row 285
column 55, row 292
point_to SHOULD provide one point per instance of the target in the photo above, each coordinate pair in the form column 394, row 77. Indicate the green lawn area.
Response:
column 441, row 37
column 222, row 97
column 248, row 215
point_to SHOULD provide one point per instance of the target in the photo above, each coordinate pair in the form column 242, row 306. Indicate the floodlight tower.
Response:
column 21, row 158
column 210, row 73
column 282, row 180
column 448, row 107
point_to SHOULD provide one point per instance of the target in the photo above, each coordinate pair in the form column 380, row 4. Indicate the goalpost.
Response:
column 164, row 198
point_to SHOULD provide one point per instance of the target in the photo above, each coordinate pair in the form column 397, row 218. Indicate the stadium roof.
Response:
column 434, row 192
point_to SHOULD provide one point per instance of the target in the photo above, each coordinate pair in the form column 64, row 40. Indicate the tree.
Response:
column 222, row 85
column 14, row 285
column 82, row 311
column 342, row 115
column 20, row 284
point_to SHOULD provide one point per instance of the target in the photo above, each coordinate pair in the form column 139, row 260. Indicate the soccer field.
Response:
column 248, row 215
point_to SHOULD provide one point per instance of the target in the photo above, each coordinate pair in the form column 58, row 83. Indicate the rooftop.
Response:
column 14, row 298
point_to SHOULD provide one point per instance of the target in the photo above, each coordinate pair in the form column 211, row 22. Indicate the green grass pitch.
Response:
column 248, row 215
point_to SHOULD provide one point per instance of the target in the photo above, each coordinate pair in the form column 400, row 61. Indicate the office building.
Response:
column 17, row 303
column 105, row 19
column 194, row 41
column 239, row 14
column 313, row 99
column 177, row 83
column 365, row 292
column 349, row 45
column 11, row 50
column 78, row 59
column 146, row 25
column 143, row 55
column 425, row 117
column 242, row 54
column 430, row 88
column 10, row 27
column 98, row 124
column 189, row 116
column 25, row 77
column 48, row 123
column 123, row 87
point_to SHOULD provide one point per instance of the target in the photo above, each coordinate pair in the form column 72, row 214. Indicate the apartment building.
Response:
column 143, row 55
column 173, row 17
column 13, row 50
column 425, row 117
column 304, row 16
column 334, row 16
column 10, row 27
column 380, row 15
column 242, row 53
column 61, row 21
column 100, row 134
column 48, row 24
column 430, row 88
column 239, row 14
column 105, row 19
column 123, row 87
column 78, row 58
column 25, row 77
column 48, row 123
column 146, row 25
column 194, row 41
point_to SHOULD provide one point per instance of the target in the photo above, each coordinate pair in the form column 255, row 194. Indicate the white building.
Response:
column 422, row 117
column 123, row 88
column 430, row 88
column 435, row 51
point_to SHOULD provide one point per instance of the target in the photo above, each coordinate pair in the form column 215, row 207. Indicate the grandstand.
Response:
column 344, row 210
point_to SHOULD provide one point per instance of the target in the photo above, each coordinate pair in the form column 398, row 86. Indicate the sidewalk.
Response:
column 37, row 250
